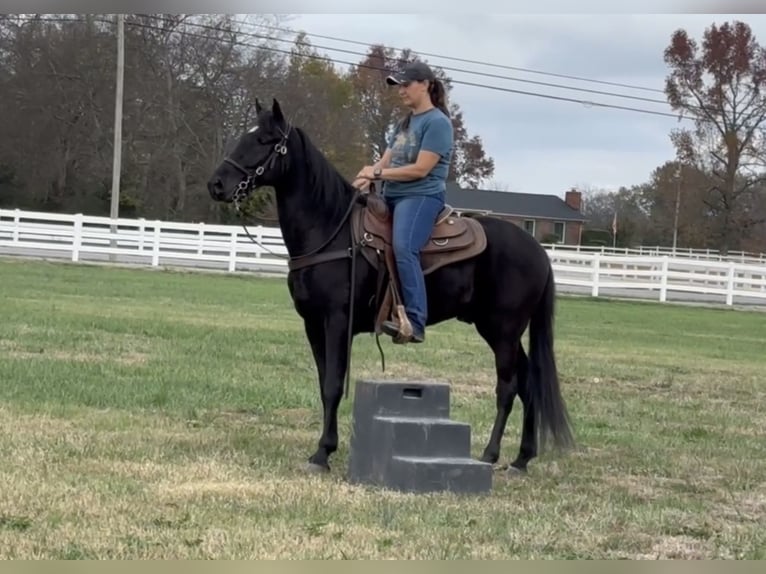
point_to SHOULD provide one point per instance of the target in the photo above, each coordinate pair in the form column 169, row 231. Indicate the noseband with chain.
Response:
column 244, row 189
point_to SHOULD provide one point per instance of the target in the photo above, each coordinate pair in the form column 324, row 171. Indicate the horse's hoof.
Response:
column 489, row 457
column 314, row 468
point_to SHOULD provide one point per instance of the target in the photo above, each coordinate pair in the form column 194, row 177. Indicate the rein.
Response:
column 244, row 189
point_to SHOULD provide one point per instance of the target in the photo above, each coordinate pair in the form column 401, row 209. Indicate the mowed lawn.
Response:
column 151, row 414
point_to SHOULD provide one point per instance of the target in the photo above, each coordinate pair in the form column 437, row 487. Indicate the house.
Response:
column 548, row 218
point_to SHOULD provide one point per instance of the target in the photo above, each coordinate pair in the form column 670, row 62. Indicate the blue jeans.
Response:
column 413, row 221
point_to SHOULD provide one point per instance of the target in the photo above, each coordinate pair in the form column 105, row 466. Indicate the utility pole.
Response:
column 117, row 155
column 678, row 205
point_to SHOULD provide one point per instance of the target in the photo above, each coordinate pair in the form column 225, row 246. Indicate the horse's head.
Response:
column 256, row 160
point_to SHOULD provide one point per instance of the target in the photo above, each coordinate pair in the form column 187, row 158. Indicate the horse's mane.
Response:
column 330, row 191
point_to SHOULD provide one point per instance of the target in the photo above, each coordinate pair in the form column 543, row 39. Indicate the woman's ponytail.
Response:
column 438, row 96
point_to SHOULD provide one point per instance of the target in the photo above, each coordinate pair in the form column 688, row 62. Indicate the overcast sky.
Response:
column 541, row 145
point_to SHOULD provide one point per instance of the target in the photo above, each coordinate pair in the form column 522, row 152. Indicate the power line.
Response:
column 464, row 60
column 588, row 103
column 426, row 54
column 446, row 68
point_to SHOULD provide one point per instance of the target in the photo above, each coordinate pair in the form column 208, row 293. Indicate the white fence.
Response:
column 704, row 254
column 224, row 247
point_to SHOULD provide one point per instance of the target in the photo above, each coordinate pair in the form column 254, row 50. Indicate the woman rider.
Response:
column 414, row 171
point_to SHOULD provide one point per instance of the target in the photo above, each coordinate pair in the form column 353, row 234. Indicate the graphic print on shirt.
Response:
column 405, row 148
column 430, row 130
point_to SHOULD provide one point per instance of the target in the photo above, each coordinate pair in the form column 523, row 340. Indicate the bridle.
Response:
column 244, row 189
column 245, row 186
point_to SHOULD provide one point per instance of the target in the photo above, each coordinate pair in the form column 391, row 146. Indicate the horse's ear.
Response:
column 276, row 111
column 258, row 106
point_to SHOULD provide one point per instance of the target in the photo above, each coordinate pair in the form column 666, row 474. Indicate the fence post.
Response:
column 259, row 238
column 233, row 250
column 156, row 243
column 730, row 284
column 16, row 224
column 596, row 269
column 141, row 233
column 77, row 239
column 664, row 279
column 201, row 238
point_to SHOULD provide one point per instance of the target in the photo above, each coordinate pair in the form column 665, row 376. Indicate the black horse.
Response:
column 506, row 288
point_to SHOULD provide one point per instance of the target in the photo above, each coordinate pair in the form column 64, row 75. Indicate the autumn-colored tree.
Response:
column 379, row 105
column 470, row 163
column 721, row 85
column 319, row 99
column 381, row 109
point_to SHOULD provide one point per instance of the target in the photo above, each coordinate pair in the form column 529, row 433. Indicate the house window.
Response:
column 529, row 226
column 559, row 230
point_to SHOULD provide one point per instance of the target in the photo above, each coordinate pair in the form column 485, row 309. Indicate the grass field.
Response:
column 148, row 414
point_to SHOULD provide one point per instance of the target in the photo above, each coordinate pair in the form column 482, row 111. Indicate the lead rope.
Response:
column 351, row 305
column 352, row 279
column 258, row 243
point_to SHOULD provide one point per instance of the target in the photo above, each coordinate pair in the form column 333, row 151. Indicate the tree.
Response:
column 379, row 104
column 600, row 208
column 674, row 198
column 381, row 109
column 322, row 101
column 190, row 85
column 722, row 86
column 470, row 163
column 500, row 185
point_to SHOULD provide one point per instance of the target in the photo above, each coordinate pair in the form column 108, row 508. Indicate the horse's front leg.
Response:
column 331, row 387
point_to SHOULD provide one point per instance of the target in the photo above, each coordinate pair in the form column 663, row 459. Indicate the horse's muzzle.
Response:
column 215, row 188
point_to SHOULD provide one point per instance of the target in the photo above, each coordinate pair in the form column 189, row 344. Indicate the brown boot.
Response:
column 391, row 328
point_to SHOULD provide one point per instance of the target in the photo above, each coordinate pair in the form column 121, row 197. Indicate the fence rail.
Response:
column 82, row 238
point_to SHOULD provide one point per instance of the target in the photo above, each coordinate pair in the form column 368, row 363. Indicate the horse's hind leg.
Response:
column 507, row 349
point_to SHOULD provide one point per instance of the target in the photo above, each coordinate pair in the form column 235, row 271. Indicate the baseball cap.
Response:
column 411, row 72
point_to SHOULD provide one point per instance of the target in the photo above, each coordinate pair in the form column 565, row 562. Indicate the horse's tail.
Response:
column 549, row 407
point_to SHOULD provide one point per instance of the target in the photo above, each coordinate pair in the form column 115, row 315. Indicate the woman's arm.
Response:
column 384, row 161
column 423, row 165
column 437, row 143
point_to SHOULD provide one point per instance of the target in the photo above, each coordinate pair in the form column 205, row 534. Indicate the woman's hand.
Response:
column 367, row 172
column 362, row 183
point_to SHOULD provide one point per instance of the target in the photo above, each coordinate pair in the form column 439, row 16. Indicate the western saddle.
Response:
column 453, row 238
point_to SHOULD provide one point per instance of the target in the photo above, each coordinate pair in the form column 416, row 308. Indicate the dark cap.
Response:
column 411, row 72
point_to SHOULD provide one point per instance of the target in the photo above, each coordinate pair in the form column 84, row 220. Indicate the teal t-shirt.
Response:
column 430, row 131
